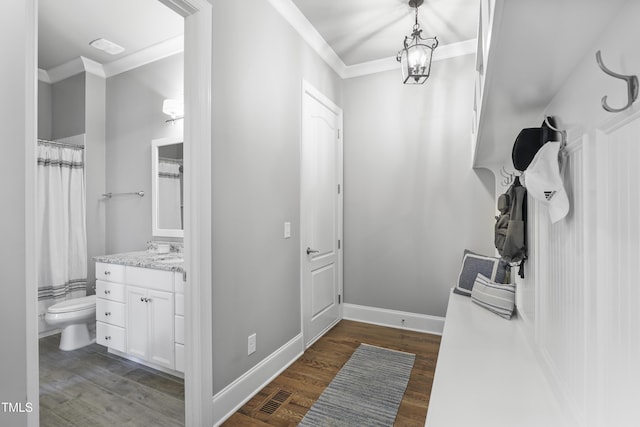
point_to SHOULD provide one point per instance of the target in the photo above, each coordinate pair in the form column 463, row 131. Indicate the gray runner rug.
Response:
column 366, row 392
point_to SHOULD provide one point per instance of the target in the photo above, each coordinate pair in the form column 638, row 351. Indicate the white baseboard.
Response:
column 394, row 319
column 231, row 398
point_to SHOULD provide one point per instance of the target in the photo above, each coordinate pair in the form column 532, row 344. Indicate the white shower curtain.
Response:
column 169, row 203
column 61, row 229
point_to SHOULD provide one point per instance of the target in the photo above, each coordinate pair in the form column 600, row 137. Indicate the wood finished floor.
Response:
column 90, row 387
column 307, row 378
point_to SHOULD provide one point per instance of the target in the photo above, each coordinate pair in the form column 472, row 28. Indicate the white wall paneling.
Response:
column 580, row 295
column 561, row 290
column 615, row 287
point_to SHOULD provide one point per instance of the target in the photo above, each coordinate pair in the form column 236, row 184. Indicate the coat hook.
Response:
column 632, row 86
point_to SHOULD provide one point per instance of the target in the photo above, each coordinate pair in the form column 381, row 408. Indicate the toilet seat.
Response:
column 73, row 316
column 72, row 305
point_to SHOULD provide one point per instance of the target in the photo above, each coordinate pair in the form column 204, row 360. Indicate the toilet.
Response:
column 73, row 316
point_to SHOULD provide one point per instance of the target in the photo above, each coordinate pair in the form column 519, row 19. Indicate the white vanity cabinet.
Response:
column 110, row 307
column 150, row 325
column 135, row 315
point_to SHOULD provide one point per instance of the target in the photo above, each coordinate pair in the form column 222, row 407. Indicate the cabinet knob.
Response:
column 142, row 299
column 107, row 313
column 107, row 337
column 106, row 273
column 148, row 299
column 107, row 292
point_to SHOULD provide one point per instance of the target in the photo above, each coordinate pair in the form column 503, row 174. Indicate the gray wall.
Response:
column 134, row 117
column 94, row 117
column 256, row 180
column 68, row 107
column 44, row 110
column 13, row 262
column 412, row 203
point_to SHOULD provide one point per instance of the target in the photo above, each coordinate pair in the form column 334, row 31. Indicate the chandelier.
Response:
column 415, row 57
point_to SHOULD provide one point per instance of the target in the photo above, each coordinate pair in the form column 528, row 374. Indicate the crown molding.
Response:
column 43, row 76
column 371, row 67
column 387, row 64
column 92, row 67
column 452, row 50
column 301, row 24
column 69, row 69
column 66, row 70
column 145, row 56
column 137, row 59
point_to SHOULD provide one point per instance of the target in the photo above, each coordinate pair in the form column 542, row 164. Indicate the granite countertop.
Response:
column 172, row 261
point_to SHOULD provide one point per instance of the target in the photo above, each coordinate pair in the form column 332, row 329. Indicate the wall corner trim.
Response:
column 393, row 319
column 231, row 398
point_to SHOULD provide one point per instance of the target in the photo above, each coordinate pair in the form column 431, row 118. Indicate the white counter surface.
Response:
column 488, row 375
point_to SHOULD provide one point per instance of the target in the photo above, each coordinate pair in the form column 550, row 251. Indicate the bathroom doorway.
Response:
column 197, row 14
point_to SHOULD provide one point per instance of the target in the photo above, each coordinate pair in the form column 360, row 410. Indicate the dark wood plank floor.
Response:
column 294, row 391
column 90, row 387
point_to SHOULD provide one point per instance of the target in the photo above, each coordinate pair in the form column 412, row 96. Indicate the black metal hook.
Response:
column 632, row 86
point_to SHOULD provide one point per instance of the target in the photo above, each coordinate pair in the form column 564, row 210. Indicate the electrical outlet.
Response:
column 251, row 344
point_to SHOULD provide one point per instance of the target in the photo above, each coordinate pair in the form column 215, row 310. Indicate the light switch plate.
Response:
column 287, row 230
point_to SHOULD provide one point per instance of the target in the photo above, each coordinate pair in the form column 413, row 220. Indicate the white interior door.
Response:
column 321, row 214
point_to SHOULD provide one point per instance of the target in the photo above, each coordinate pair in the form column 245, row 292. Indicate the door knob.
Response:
column 311, row 251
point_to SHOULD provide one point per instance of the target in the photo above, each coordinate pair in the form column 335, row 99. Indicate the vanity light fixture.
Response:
column 415, row 57
column 173, row 108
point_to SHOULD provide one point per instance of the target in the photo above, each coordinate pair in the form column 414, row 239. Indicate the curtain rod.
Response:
column 63, row 144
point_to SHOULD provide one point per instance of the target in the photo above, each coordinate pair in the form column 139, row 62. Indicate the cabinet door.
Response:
column 137, row 322
column 161, row 320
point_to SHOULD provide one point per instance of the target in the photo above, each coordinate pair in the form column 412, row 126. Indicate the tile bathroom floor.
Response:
column 90, row 387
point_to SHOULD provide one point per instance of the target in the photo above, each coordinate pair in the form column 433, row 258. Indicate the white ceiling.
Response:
column 357, row 30
column 65, row 28
column 366, row 30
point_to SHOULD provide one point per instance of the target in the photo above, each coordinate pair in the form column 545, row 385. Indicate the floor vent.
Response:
column 273, row 404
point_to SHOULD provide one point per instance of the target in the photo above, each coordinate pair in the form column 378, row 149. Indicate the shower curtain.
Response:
column 61, row 229
column 169, row 199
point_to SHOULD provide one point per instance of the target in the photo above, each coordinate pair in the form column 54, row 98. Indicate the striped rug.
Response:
column 366, row 392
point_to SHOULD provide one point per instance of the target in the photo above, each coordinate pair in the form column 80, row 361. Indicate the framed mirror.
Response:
column 167, row 187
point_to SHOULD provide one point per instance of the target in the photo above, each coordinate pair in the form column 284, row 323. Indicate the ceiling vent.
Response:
column 107, row 46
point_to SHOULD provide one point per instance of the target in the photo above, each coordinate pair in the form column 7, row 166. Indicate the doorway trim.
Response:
column 309, row 90
column 197, row 132
column 197, row 135
column 31, row 286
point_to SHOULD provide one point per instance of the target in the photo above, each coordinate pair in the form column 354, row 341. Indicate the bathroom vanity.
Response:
column 140, row 308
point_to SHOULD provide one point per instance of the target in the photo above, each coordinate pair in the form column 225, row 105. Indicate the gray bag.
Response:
column 511, row 228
